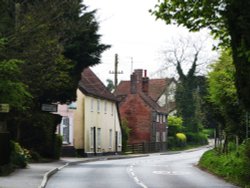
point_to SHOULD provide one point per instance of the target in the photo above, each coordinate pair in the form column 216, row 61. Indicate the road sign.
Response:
column 49, row 107
column 4, row 108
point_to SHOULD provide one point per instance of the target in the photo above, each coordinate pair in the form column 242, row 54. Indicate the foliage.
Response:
column 181, row 136
column 232, row 166
column 181, row 139
column 12, row 90
column 58, row 147
column 196, row 138
column 110, row 85
column 174, row 125
column 19, row 156
column 37, row 133
column 44, row 46
column 223, row 95
column 227, row 21
column 125, row 134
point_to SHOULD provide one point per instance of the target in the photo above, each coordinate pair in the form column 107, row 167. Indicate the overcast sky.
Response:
column 134, row 34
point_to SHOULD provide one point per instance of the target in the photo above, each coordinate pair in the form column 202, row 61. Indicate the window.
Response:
column 120, row 139
column 164, row 137
column 91, row 137
column 99, row 137
column 65, row 121
column 112, row 108
column 157, row 136
column 105, row 107
column 160, row 118
column 92, row 105
column 164, row 118
column 157, row 118
column 110, row 138
column 98, row 105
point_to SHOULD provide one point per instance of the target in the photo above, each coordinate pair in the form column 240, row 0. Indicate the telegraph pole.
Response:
column 116, row 70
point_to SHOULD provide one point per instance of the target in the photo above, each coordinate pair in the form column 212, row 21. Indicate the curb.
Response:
column 50, row 173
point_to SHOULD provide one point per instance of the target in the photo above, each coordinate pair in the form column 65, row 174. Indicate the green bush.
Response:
column 196, row 138
column 181, row 139
column 35, row 156
column 233, row 166
column 208, row 132
column 19, row 156
column 58, row 147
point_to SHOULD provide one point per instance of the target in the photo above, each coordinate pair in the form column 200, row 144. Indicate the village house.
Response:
column 145, row 104
column 97, row 129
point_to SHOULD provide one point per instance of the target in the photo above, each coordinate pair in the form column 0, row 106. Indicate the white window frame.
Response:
column 98, row 105
column 110, row 138
column 99, row 137
column 105, row 107
column 92, row 105
column 157, row 136
column 112, row 109
column 164, row 137
column 91, row 142
column 157, row 118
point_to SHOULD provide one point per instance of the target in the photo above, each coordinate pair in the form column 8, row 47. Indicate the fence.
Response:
column 147, row 147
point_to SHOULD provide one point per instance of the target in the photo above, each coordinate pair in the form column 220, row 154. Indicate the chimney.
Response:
column 145, row 83
column 133, row 85
column 136, row 81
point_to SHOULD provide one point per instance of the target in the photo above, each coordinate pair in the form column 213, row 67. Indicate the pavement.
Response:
column 36, row 175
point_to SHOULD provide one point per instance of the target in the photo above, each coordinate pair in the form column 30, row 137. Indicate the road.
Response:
column 155, row 171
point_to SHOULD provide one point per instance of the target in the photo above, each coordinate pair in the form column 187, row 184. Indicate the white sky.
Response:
column 133, row 33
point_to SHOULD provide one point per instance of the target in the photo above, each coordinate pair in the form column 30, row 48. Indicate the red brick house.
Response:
column 143, row 104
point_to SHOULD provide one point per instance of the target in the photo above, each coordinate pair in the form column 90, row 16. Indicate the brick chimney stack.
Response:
column 138, row 82
column 145, row 83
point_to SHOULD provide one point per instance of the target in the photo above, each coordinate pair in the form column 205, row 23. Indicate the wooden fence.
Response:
column 147, row 147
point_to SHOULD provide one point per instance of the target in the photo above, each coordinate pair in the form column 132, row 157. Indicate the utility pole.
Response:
column 116, row 70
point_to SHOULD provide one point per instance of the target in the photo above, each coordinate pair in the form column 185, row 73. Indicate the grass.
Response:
column 232, row 166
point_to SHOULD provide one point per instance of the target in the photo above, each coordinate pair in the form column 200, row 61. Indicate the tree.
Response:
column 185, row 53
column 228, row 20
column 56, row 40
column 12, row 91
column 223, row 95
column 110, row 85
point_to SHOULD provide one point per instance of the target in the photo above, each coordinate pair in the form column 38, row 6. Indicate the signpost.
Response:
column 49, row 107
column 4, row 108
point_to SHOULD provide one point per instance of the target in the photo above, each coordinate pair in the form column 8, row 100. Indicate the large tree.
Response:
column 56, row 39
column 228, row 20
column 223, row 95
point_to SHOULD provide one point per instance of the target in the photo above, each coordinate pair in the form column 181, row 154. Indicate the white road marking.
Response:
column 135, row 178
column 175, row 173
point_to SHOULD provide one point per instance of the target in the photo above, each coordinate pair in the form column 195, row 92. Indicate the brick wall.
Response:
column 138, row 116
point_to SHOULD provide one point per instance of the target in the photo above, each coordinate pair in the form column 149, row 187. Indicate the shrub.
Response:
column 58, row 147
column 19, row 156
column 233, row 166
column 196, row 138
column 35, row 156
column 181, row 139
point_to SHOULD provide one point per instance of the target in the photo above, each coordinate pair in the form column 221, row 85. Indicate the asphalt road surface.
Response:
column 156, row 171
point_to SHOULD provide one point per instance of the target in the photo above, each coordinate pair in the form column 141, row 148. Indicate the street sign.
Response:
column 49, row 107
column 4, row 108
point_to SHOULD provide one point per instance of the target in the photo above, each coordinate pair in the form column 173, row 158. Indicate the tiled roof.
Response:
column 152, row 103
column 90, row 84
column 156, row 88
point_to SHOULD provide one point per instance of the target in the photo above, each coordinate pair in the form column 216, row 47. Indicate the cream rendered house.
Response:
column 97, row 129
